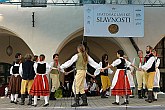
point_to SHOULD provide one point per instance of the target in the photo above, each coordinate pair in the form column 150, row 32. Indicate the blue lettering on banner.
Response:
column 4, row 0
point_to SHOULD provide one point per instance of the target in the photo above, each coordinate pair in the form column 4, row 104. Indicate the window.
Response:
column 160, row 48
column 92, row 1
column 33, row 3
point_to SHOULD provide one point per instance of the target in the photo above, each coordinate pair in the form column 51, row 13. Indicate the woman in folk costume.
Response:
column 40, row 85
column 130, row 78
column 15, row 82
column 120, row 84
column 156, row 87
column 105, row 80
column 81, row 59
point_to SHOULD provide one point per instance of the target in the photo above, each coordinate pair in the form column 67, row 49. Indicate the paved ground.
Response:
column 95, row 103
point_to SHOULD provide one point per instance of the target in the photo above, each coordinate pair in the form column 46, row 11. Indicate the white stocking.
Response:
column 46, row 99
column 12, row 97
column 35, row 100
column 16, row 96
column 117, row 98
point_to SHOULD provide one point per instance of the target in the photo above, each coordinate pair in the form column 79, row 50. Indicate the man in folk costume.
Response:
column 105, row 80
column 140, row 75
column 120, row 84
column 149, row 67
column 26, row 70
column 54, row 76
column 81, row 59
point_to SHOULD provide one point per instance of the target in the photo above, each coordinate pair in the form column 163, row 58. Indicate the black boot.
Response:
column 140, row 94
column 126, row 102
column 103, row 94
column 22, row 99
column 143, row 93
column 150, row 99
column 76, row 104
column 52, row 96
column 30, row 100
column 84, row 98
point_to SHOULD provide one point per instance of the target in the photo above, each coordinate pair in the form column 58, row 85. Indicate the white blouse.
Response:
column 74, row 59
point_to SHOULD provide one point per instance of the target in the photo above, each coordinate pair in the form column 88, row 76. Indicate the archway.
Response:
column 96, row 48
column 160, row 48
column 7, row 38
column 18, row 45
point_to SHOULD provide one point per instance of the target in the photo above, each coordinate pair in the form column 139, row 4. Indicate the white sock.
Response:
column 35, row 100
column 117, row 98
column 155, row 95
column 125, row 98
column 16, row 96
column 46, row 99
column 12, row 97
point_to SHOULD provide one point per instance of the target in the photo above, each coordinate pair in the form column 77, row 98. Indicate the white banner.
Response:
column 106, row 20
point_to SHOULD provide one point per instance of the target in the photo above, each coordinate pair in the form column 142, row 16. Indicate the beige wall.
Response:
column 55, row 26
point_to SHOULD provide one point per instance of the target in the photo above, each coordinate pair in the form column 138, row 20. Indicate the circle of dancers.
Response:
column 32, row 75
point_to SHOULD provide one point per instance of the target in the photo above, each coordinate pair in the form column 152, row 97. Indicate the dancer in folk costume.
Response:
column 26, row 70
column 15, row 82
column 40, row 85
column 120, row 84
column 130, row 78
column 140, row 75
column 54, row 76
column 149, row 68
column 81, row 59
column 105, row 80
column 156, row 87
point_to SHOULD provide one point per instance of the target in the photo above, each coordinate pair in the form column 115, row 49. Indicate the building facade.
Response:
column 59, row 29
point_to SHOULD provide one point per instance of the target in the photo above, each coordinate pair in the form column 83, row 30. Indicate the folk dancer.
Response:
column 120, row 84
column 15, row 82
column 40, row 86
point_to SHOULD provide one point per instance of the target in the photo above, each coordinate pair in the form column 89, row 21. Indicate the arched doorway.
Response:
column 160, row 48
column 7, row 38
column 96, row 48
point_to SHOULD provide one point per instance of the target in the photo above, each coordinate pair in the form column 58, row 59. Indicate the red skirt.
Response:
column 14, row 85
column 40, row 86
column 122, row 86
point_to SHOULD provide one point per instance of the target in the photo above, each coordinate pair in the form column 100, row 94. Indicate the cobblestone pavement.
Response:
column 95, row 103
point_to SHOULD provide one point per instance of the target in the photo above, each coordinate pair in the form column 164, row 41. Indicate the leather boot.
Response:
column 103, row 94
column 143, row 93
column 140, row 94
column 76, row 104
column 30, row 100
column 84, row 99
column 22, row 99
column 150, row 99
column 52, row 96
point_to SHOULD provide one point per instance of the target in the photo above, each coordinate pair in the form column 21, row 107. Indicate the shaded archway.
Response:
column 160, row 48
column 96, row 47
column 16, row 43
